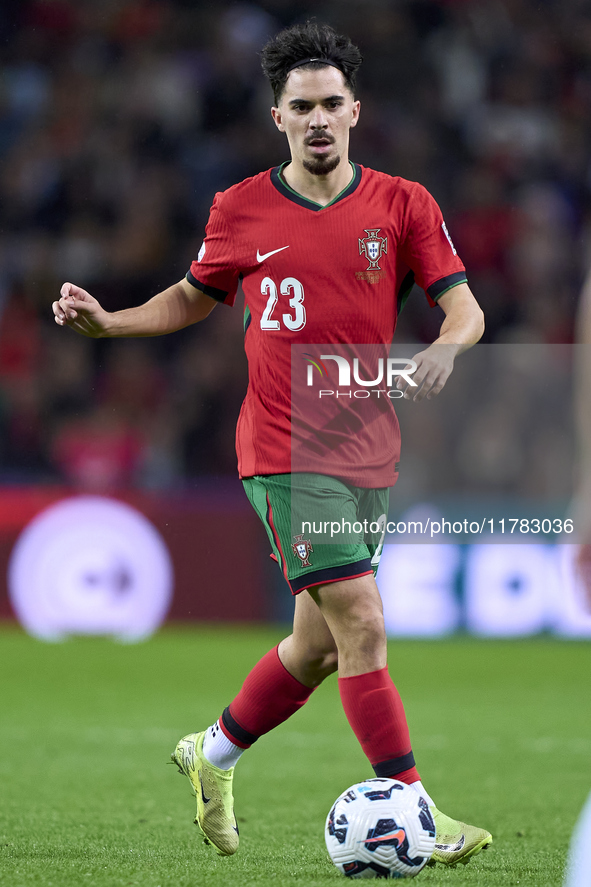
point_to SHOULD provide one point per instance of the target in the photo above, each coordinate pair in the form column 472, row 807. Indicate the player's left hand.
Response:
column 434, row 366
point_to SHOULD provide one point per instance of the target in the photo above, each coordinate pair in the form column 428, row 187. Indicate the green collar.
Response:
column 282, row 186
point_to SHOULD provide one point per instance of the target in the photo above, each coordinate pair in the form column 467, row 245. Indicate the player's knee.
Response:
column 316, row 664
column 366, row 631
column 329, row 663
column 309, row 662
column 321, row 664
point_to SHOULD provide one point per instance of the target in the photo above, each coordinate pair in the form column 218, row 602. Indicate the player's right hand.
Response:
column 79, row 310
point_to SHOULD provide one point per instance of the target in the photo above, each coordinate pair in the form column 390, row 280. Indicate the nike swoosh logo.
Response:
column 261, row 258
column 452, row 848
column 399, row 836
column 205, row 800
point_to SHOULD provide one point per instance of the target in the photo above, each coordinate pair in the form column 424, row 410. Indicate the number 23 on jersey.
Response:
column 291, row 287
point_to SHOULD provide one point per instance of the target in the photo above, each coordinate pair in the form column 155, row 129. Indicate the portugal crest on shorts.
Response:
column 302, row 548
column 373, row 248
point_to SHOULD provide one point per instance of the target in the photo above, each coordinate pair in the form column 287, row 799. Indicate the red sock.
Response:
column 269, row 696
column 375, row 712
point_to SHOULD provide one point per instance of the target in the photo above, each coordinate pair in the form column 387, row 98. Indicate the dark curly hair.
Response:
column 310, row 40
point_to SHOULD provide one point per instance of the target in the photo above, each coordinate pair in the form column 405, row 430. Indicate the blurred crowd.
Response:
column 120, row 119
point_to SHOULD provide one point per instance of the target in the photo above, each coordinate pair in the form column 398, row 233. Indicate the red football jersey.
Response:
column 320, row 278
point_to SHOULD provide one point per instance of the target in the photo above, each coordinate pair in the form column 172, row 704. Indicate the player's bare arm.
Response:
column 173, row 309
column 463, row 327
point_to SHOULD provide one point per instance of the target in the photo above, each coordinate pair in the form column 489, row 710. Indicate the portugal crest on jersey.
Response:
column 302, row 548
column 373, row 247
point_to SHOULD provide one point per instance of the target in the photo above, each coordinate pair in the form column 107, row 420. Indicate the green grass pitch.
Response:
column 501, row 732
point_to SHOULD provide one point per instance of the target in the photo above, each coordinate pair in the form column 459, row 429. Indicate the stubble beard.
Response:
column 322, row 166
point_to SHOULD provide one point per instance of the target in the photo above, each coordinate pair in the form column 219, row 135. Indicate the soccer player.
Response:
column 325, row 250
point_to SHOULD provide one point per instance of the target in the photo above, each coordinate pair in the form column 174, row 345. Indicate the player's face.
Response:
column 316, row 112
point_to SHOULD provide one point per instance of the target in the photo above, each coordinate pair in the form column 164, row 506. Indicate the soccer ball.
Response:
column 380, row 828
